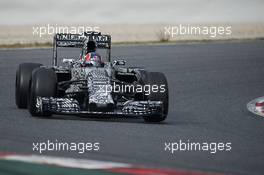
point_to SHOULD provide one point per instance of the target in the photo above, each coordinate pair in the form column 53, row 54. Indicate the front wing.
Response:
column 71, row 106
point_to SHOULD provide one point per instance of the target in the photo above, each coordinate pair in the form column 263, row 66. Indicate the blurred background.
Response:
column 130, row 21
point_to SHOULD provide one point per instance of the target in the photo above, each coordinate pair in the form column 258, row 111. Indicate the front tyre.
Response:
column 157, row 79
column 43, row 84
column 23, row 75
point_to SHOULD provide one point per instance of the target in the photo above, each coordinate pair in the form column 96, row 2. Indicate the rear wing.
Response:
column 79, row 40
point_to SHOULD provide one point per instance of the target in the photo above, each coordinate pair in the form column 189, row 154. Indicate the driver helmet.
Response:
column 93, row 59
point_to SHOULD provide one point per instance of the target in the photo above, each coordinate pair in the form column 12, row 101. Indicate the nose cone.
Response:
column 101, row 107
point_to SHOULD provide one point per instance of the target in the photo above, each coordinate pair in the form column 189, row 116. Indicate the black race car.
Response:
column 90, row 86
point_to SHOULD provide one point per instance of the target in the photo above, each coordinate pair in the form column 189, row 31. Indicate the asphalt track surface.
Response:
column 209, row 85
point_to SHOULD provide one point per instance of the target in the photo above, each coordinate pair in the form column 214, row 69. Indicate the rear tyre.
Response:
column 23, row 75
column 43, row 84
column 157, row 79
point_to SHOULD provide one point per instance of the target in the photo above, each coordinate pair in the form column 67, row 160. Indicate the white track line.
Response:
column 65, row 162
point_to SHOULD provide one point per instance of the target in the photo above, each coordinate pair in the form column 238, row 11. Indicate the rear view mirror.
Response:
column 66, row 60
column 119, row 63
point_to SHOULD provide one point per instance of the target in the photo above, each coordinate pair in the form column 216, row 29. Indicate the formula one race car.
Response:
column 90, row 86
